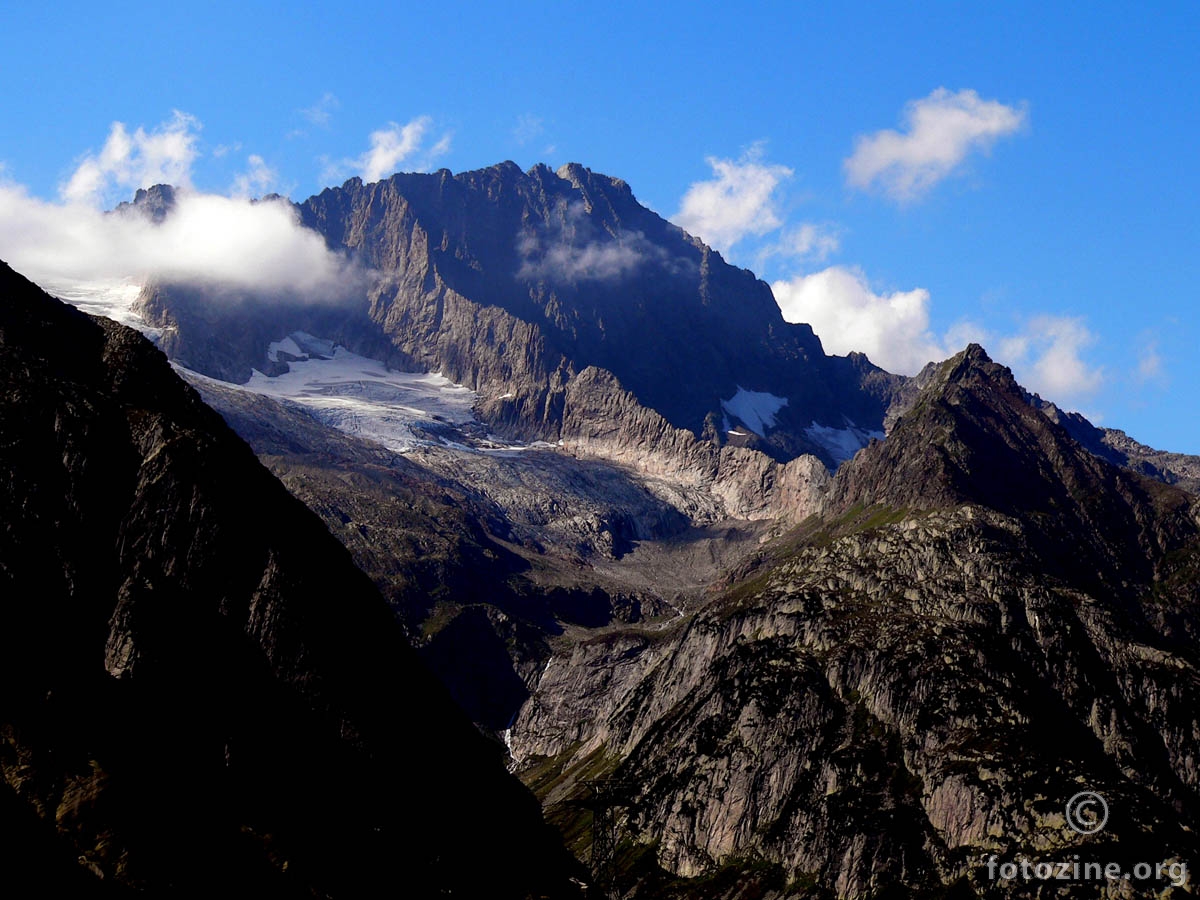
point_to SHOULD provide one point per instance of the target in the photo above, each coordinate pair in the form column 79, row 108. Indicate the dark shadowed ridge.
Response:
column 198, row 690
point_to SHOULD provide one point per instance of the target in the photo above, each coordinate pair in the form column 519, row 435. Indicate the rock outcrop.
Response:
column 987, row 620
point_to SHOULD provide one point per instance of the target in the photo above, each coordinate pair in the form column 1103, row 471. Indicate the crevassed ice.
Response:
column 362, row 396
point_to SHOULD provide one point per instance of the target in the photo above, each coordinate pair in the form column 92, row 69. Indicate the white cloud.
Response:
column 1047, row 354
column 391, row 147
column 807, row 241
column 891, row 328
column 942, row 129
column 130, row 161
column 738, row 202
column 441, row 148
column 206, row 239
column 574, row 250
column 258, row 179
column 222, row 150
column 322, row 111
column 396, row 144
column 1052, row 364
column 599, row 261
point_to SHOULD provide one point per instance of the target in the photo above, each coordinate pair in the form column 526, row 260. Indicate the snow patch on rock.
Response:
column 842, row 443
column 756, row 409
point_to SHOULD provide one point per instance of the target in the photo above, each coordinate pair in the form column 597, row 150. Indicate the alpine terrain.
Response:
column 548, row 485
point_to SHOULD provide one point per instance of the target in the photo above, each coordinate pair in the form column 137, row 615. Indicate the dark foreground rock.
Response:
column 200, row 695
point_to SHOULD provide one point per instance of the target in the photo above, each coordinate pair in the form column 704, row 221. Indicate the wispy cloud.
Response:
column 1151, row 367
column 256, row 180
column 738, row 202
column 528, row 128
column 222, row 150
column 806, row 242
column 391, row 147
column 321, row 112
column 599, row 261
column 1047, row 353
column 127, row 161
column 574, row 250
column 941, row 130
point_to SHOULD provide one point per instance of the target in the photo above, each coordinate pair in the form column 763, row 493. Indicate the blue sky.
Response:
column 1047, row 205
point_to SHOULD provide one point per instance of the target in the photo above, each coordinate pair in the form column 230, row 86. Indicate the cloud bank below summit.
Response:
column 259, row 247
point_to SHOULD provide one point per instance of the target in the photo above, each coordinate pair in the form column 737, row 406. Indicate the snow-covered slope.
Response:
column 357, row 395
column 113, row 299
column 363, row 397
column 842, row 443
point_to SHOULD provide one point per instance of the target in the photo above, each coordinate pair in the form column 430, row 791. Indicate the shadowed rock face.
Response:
column 973, row 437
column 604, row 281
column 987, row 620
column 197, row 687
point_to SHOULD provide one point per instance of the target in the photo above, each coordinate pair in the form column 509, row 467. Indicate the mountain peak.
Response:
column 971, row 437
column 572, row 171
column 154, row 202
column 976, row 353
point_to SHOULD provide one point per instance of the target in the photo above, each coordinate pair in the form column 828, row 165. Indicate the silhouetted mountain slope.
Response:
column 197, row 687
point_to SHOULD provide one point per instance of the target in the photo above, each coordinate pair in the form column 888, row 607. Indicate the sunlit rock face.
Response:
column 986, row 620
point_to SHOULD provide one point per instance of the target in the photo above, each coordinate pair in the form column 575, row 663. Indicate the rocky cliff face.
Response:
column 197, row 687
column 1120, row 449
column 569, row 269
column 517, row 283
column 987, row 620
column 489, row 558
